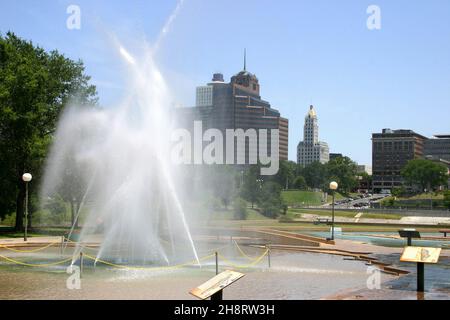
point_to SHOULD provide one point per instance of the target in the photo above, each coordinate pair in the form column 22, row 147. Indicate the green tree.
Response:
column 344, row 171
column 251, row 188
column 447, row 199
column 315, row 175
column 300, row 183
column 270, row 201
column 286, row 174
column 35, row 85
column 425, row 173
column 223, row 183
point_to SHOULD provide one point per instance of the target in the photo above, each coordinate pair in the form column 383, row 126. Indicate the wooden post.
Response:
column 62, row 244
column 268, row 254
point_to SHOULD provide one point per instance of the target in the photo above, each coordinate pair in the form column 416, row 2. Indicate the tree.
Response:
column 223, row 182
column 447, row 199
column 270, row 201
column 425, row 173
column 300, row 183
column 315, row 175
column 286, row 174
column 251, row 188
column 35, row 85
column 344, row 171
column 72, row 188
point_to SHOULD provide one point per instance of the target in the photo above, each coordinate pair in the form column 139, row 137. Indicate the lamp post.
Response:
column 26, row 178
column 333, row 187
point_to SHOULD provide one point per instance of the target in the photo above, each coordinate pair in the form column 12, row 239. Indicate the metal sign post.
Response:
column 409, row 234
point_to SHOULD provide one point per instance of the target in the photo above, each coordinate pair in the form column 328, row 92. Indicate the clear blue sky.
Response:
column 303, row 52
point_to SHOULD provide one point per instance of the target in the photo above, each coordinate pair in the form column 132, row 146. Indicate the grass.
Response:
column 424, row 196
column 349, row 214
column 306, row 198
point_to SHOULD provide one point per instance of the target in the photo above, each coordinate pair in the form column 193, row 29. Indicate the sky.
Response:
column 303, row 52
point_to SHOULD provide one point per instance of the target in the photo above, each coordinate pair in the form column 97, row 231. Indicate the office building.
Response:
column 311, row 149
column 236, row 105
column 391, row 151
column 438, row 147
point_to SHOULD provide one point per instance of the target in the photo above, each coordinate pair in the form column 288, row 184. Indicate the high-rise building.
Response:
column 236, row 105
column 311, row 149
column 391, row 151
column 438, row 148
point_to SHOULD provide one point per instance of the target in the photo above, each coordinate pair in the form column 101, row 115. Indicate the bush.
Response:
column 240, row 209
column 9, row 220
column 447, row 199
column 300, row 183
column 285, row 219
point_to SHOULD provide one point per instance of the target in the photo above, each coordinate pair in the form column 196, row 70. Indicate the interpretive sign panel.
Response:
column 216, row 284
column 420, row 254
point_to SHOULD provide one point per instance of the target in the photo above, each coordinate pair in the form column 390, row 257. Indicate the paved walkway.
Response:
column 31, row 241
column 432, row 221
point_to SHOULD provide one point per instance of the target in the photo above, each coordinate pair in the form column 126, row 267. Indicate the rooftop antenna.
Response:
column 245, row 59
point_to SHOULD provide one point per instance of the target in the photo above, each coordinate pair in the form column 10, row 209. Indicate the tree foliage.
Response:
column 35, row 85
column 447, row 199
column 425, row 174
column 270, row 201
column 251, row 187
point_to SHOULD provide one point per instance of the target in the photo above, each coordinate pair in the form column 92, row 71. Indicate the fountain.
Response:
column 118, row 158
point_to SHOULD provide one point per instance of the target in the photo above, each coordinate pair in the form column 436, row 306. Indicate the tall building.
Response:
column 438, row 148
column 391, row 151
column 236, row 105
column 311, row 149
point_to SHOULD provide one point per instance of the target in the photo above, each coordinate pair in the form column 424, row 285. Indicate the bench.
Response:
column 321, row 220
column 445, row 231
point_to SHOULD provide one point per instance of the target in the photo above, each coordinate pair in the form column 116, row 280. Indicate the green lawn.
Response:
column 306, row 198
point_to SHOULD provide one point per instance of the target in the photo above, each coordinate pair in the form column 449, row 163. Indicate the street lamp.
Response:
column 26, row 178
column 333, row 187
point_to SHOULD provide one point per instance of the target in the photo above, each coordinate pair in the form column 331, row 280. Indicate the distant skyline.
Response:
column 317, row 52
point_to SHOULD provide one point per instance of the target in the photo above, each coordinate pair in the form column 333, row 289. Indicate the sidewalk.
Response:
column 32, row 241
column 432, row 221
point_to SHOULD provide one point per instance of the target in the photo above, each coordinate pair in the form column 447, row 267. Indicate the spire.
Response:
column 245, row 59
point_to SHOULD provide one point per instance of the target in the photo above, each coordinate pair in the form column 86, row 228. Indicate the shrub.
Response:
column 447, row 199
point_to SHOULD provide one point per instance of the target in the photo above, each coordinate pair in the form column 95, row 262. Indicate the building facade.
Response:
column 236, row 105
column 391, row 151
column 438, row 148
column 362, row 168
column 335, row 156
column 311, row 149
